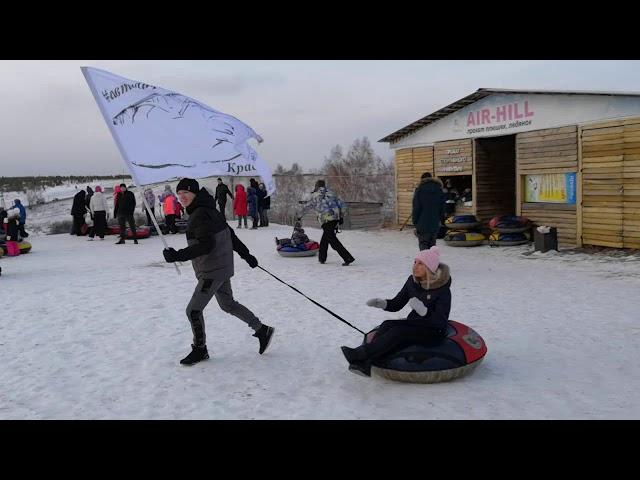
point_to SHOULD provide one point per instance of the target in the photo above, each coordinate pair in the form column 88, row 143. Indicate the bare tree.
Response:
column 361, row 175
column 290, row 188
column 358, row 176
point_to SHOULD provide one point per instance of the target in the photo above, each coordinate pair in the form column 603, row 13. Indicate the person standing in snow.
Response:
column 151, row 200
column 23, row 217
column 78, row 211
column 11, row 224
column 330, row 209
column 125, row 206
column 252, row 202
column 450, row 194
column 169, row 206
column 98, row 206
column 240, row 205
column 222, row 190
column 264, row 204
column 428, row 210
column 88, row 198
column 211, row 243
column 428, row 292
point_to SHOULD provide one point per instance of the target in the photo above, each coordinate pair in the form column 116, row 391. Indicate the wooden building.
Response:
column 570, row 160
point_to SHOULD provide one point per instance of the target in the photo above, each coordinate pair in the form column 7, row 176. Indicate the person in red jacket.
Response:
column 240, row 205
column 169, row 208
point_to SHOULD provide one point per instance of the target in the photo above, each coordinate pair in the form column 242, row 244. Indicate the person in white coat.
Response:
column 98, row 206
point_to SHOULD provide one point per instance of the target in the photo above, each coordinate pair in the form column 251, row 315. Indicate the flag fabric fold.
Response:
column 163, row 135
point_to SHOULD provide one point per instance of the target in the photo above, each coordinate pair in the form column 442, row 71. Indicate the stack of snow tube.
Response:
column 509, row 230
column 461, row 231
column 308, row 249
column 457, row 355
column 24, row 246
column 508, row 239
column 461, row 238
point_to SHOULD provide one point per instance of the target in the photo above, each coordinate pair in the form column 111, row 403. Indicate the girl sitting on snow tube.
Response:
column 428, row 293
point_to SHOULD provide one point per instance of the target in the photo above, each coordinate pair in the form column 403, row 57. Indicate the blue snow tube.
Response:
column 461, row 222
column 308, row 249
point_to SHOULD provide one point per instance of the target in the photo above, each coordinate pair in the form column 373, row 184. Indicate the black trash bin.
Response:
column 544, row 242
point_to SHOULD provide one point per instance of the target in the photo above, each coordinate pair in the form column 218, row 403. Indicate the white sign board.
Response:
column 505, row 114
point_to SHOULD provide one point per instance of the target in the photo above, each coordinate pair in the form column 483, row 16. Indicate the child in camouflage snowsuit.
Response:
column 298, row 237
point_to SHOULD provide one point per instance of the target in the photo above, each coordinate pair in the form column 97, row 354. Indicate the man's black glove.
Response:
column 251, row 260
column 170, row 255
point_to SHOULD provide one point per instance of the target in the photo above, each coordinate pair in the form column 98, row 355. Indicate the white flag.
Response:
column 164, row 135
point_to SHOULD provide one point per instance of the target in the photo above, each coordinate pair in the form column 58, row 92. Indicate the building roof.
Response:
column 478, row 95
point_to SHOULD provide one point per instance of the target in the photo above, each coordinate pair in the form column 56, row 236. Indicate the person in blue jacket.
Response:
column 23, row 217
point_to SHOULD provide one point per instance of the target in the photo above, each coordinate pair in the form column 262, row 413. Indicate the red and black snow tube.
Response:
column 141, row 232
column 457, row 355
column 113, row 230
column 510, row 224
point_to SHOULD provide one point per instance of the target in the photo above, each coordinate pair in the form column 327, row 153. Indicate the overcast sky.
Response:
column 51, row 125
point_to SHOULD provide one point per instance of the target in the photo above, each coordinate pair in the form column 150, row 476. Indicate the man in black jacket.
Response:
column 211, row 243
column 78, row 211
column 126, row 205
column 221, row 196
column 428, row 210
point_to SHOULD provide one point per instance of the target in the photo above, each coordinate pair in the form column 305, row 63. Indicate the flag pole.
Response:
column 155, row 224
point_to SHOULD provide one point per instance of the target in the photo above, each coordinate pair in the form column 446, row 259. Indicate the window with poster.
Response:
column 550, row 188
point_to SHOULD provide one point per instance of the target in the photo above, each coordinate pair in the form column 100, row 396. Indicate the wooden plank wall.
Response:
column 411, row 163
column 631, row 185
column 602, row 185
column 359, row 215
column 553, row 150
column 561, row 216
column 495, row 171
column 362, row 215
column 611, row 183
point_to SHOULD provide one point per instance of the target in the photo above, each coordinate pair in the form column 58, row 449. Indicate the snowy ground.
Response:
column 92, row 330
